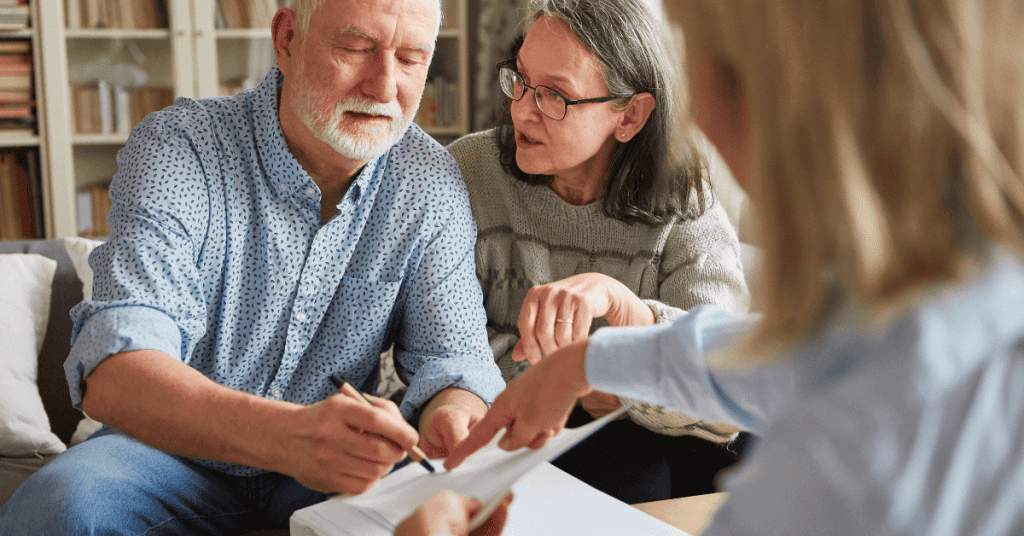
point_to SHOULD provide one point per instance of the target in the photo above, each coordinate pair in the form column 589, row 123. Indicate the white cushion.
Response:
column 79, row 249
column 25, row 288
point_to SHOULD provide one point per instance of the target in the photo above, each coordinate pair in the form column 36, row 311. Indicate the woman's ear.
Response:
column 634, row 117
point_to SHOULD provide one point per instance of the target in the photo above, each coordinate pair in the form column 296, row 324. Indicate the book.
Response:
column 93, row 207
column 544, row 495
column 19, row 197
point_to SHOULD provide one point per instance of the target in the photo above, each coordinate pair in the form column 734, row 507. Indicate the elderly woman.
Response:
column 574, row 235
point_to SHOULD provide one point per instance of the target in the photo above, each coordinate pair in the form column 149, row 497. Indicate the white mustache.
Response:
column 354, row 104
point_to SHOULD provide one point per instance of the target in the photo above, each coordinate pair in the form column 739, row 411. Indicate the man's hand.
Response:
column 451, row 513
column 560, row 313
column 345, row 445
column 599, row 404
column 447, row 419
column 533, row 407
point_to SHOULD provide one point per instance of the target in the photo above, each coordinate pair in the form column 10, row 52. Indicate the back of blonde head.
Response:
column 888, row 140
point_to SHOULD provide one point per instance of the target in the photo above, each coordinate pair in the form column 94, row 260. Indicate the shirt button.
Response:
column 310, row 191
column 277, row 391
column 300, row 316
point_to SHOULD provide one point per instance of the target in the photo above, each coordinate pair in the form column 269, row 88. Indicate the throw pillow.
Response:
column 79, row 249
column 25, row 287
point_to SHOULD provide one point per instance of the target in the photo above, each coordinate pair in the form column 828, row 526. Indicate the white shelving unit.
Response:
column 192, row 56
column 16, row 141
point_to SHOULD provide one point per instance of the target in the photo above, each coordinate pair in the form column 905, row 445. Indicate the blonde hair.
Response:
column 887, row 143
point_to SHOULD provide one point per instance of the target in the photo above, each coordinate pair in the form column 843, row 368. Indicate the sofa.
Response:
column 51, row 382
column 67, row 425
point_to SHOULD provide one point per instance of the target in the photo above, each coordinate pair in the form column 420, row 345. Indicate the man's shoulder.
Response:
column 420, row 157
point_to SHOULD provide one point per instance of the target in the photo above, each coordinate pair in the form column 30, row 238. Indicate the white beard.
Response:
column 363, row 143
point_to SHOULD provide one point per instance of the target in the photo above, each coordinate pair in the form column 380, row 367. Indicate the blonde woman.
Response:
column 882, row 145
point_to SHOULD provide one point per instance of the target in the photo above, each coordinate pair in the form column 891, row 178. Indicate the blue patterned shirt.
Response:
column 218, row 257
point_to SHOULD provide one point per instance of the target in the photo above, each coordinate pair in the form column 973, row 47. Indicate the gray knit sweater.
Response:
column 527, row 235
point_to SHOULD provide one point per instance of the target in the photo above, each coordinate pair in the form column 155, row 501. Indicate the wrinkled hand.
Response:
column 560, row 313
column 451, row 513
column 447, row 419
column 598, row 404
column 340, row 443
column 533, row 408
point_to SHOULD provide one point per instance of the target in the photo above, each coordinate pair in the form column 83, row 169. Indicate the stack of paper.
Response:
column 547, row 500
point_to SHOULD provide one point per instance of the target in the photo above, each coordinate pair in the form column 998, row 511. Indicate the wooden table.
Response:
column 691, row 514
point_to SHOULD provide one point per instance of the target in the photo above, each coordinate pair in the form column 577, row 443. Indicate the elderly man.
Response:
column 261, row 246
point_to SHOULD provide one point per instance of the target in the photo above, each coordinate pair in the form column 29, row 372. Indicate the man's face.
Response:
column 356, row 77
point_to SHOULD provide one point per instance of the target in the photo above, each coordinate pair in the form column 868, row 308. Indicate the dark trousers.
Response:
column 635, row 465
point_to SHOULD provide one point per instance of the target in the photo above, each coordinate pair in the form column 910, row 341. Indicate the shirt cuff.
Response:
column 480, row 377
column 607, row 349
column 113, row 331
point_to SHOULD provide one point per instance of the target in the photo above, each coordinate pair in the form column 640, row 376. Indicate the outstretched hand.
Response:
column 560, row 313
column 533, row 407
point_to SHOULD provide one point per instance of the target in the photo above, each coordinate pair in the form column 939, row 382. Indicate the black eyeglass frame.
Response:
column 510, row 65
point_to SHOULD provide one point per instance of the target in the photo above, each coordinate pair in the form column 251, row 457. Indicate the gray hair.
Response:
column 658, row 175
column 304, row 10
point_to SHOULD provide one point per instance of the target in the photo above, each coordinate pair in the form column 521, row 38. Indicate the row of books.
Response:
column 93, row 203
column 100, row 108
column 21, row 202
column 17, row 102
column 120, row 14
column 14, row 15
column 439, row 106
column 246, row 13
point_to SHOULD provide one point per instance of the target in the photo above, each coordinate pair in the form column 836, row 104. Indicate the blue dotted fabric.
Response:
column 217, row 256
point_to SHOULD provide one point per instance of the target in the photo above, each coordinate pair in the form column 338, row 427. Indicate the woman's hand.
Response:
column 450, row 513
column 534, row 407
column 560, row 313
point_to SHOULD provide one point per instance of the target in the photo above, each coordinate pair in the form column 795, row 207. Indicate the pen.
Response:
column 414, row 453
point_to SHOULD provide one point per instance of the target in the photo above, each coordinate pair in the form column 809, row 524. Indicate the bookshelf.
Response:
column 189, row 48
column 22, row 176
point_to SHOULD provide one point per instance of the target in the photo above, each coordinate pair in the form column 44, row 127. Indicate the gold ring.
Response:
column 563, row 320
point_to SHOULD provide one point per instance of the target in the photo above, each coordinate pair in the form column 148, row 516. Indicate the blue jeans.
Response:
column 112, row 484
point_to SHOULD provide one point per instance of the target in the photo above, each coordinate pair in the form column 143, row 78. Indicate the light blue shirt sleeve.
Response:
column 907, row 423
column 667, row 364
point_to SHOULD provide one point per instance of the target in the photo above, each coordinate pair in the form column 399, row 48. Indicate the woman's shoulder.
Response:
column 479, row 149
column 478, row 160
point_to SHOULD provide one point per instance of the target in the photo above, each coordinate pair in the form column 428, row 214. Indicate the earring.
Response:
column 622, row 135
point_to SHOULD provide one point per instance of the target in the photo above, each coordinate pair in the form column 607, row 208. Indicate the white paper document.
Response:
column 547, row 500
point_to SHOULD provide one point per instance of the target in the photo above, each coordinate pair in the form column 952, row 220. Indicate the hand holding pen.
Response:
column 415, row 453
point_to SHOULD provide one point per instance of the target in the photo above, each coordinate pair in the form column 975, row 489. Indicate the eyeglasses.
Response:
column 551, row 103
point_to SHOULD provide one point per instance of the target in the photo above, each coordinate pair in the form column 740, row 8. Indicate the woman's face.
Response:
column 580, row 145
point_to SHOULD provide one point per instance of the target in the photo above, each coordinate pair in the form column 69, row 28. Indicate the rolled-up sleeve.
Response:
column 146, row 289
column 444, row 337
